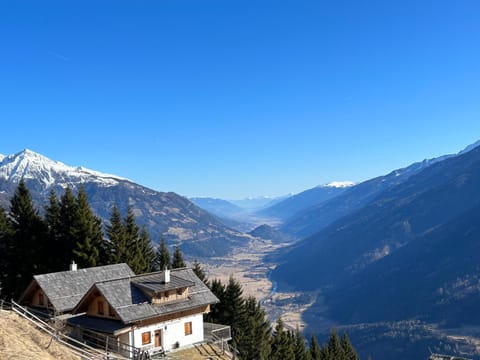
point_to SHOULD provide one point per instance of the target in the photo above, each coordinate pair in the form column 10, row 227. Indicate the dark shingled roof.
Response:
column 132, row 305
column 65, row 289
column 155, row 283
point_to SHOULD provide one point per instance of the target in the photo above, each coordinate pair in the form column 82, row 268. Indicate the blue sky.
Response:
column 239, row 98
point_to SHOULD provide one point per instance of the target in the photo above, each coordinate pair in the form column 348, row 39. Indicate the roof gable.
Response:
column 64, row 289
column 132, row 304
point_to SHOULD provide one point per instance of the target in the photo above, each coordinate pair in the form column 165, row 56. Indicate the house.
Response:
column 156, row 311
column 59, row 292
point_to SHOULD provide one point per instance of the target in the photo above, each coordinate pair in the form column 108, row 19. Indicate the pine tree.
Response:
column 300, row 348
column 89, row 249
column 117, row 239
column 67, row 228
column 146, row 254
column 255, row 340
column 132, row 235
column 55, row 261
column 324, row 353
column 5, row 250
column 335, row 349
column 282, row 344
column 163, row 256
column 28, row 242
column 348, row 350
column 197, row 269
column 216, row 314
column 177, row 261
column 234, row 309
column 314, row 350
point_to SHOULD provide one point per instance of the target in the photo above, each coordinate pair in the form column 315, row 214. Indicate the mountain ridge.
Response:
column 165, row 214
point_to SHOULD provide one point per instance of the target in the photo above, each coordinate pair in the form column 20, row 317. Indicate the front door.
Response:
column 158, row 338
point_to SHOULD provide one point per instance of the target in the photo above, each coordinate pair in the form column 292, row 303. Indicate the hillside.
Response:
column 315, row 218
column 410, row 253
column 165, row 214
column 393, row 220
column 306, row 199
column 19, row 339
column 267, row 232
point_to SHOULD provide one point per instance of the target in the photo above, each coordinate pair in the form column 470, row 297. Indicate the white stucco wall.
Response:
column 172, row 332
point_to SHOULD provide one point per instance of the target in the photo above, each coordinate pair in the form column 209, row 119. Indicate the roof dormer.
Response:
column 163, row 287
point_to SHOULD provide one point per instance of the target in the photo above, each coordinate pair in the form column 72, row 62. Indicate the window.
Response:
column 188, row 328
column 100, row 307
column 111, row 313
column 146, row 338
column 40, row 298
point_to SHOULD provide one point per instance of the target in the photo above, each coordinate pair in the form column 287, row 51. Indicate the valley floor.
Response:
column 248, row 266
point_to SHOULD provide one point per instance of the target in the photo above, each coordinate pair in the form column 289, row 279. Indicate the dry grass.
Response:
column 246, row 265
column 20, row 340
column 200, row 352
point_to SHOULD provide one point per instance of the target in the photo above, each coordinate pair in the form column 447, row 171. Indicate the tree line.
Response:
column 252, row 333
column 70, row 231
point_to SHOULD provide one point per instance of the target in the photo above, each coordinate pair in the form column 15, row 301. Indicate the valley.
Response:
column 392, row 261
column 249, row 267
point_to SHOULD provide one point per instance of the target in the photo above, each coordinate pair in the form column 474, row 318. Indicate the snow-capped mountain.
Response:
column 28, row 164
column 169, row 215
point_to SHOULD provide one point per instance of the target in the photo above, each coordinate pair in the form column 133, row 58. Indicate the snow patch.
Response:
column 339, row 184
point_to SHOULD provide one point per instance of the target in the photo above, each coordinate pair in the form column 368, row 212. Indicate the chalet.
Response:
column 129, row 314
column 158, row 311
column 60, row 292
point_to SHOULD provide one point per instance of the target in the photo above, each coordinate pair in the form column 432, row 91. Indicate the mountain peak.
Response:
column 30, row 165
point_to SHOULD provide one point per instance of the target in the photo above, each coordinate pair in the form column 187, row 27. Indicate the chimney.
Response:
column 73, row 266
column 166, row 276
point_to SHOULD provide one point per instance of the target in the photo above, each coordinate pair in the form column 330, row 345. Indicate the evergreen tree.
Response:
column 335, row 349
column 163, row 256
column 254, row 342
column 234, row 309
column 68, row 221
column 324, row 353
column 55, row 262
column 132, row 235
column 117, row 239
column 216, row 314
column 28, row 242
column 146, row 254
column 348, row 350
column 177, row 261
column 5, row 251
column 282, row 344
column 314, row 350
column 197, row 269
column 89, row 249
column 300, row 348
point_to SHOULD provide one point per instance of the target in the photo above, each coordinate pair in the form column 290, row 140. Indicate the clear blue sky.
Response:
column 239, row 98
